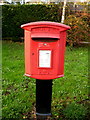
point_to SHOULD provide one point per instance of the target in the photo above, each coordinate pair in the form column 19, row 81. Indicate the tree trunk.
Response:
column 63, row 12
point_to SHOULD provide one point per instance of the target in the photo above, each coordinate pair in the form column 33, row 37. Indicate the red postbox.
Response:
column 44, row 49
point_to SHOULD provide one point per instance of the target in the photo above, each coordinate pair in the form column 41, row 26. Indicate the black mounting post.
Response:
column 43, row 97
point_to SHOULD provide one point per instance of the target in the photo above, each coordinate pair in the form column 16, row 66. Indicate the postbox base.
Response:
column 43, row 97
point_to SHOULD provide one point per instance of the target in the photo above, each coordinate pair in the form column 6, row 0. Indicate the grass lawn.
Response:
column 70, row 93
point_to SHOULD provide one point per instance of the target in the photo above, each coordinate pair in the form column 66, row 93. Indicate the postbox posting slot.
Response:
column 45, row 39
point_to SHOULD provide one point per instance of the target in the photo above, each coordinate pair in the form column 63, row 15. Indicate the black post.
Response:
column 43, row 97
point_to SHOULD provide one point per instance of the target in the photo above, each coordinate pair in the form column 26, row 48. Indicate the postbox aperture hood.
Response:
column 45, row 35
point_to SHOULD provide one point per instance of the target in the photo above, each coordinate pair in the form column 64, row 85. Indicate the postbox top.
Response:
column 47, row 23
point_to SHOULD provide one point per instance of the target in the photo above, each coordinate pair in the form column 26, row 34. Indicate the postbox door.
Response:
column 44, row 56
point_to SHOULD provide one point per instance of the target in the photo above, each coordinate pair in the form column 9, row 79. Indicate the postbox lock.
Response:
column 44, row 44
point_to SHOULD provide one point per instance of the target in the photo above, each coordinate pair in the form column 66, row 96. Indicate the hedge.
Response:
column 16, row 15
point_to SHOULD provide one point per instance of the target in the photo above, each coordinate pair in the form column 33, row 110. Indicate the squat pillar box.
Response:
column 44, row 49
column 44, row 59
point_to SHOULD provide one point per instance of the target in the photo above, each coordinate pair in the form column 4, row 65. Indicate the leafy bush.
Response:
column 79, row 28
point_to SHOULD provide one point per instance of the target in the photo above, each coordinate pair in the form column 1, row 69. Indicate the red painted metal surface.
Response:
column 44, row 49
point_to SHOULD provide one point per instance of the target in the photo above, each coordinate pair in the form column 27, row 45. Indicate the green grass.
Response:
column 70, row 93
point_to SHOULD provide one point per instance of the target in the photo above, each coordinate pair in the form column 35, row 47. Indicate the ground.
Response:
column 70, row 93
